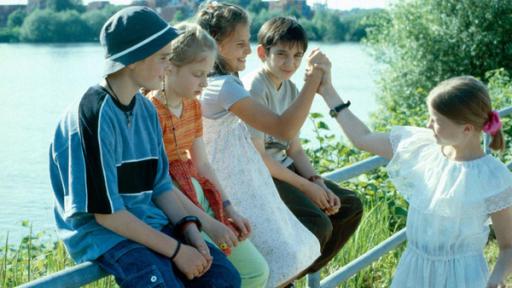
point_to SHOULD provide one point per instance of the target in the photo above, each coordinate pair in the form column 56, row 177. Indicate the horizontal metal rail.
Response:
column 364, row 260
column 75, row 276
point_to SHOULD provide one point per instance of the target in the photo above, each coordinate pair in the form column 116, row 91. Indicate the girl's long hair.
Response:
column 465, row 100
column 221, row 20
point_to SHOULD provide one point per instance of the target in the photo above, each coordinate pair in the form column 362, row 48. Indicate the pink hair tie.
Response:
column 493, row 124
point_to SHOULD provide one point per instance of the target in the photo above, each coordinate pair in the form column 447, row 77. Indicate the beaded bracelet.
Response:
column 226, row 203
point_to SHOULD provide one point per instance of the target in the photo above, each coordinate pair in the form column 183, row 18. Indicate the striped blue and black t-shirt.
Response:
column 106, row 157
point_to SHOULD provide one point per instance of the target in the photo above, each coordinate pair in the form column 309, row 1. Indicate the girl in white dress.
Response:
column 452, row 186
column 286, row 244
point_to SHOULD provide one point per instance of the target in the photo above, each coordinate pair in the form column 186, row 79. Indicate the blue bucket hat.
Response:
column 133, row 34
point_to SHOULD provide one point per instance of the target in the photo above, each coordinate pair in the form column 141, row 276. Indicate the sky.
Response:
column 335, row 4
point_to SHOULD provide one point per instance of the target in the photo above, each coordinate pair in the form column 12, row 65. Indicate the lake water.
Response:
column 37, row 83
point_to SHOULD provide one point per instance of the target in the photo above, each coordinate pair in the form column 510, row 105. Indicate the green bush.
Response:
column 16, row 18
column 422, row 42
column 65, row 26
column 9, row 34
column 95, row 19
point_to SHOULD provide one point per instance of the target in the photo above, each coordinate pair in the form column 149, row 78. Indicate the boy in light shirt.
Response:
column 328, row 211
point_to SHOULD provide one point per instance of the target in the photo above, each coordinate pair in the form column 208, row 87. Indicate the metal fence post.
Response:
column 314, row 280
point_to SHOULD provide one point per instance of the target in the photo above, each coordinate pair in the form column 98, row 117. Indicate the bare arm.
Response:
column 501, row 222
column 300, row 159
column 277, row 170
column 127, row 225
column 286, row 125
column 311, row 190
column 356, row 131
column 169, row 202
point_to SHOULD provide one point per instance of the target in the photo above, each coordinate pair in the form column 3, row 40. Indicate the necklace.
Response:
column 175, row 138
column 171, row 112
column 176, row 110
column 127, row 114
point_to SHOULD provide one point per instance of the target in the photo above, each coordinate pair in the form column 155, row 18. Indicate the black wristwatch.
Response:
column 334, row 111
column 180, row 225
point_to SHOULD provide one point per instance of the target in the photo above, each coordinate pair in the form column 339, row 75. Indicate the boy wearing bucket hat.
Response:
column 115, row 203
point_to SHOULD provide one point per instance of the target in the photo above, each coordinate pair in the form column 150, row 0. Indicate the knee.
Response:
column 251, row 265
column 259, row 274
column 350, row 203
column 354, row 205
column 261, row 269
column 321, row 227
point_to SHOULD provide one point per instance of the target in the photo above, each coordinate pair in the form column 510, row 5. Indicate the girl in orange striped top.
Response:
column 192, row 57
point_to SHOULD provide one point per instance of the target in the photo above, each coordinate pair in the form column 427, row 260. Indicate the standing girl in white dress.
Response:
column 286, row 244
column 452, row 186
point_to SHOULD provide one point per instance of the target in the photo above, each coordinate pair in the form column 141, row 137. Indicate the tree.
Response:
column 257, row 21
column 311, row 30
column 50, row 26
column 62, row 5
column 16, row 18
column 329, row 26
column 39, row 26
column 422, row 42
column 357, row 21
column 71, row 28
column 95, row 19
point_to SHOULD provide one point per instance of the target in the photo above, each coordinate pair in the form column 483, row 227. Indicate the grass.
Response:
column 34, row 257
column 373, row 230
column 37, row 255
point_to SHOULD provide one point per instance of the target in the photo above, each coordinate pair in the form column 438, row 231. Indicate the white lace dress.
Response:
column 286, row 244
column 449, row 207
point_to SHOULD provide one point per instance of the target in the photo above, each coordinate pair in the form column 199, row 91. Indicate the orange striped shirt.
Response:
column 187, row 128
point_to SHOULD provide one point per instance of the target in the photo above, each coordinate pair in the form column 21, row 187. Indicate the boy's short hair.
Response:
column 282, row 29
column 133, row 34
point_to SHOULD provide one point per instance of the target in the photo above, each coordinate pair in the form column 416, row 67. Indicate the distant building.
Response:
column 35, row 4
column 168, row 8
column 97, row 5
column 6, row 10
column 320, row 6
column 287, row 5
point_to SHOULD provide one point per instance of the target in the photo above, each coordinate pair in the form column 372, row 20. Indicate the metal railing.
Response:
column 88, row 272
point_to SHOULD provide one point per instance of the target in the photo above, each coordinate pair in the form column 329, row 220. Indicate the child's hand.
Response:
column 240, row 223
column 191, row 262
column 317, row 64
column 221, row 234
column 317, row 194
column 326, row 83
column 334, row 200
column 194, row 238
